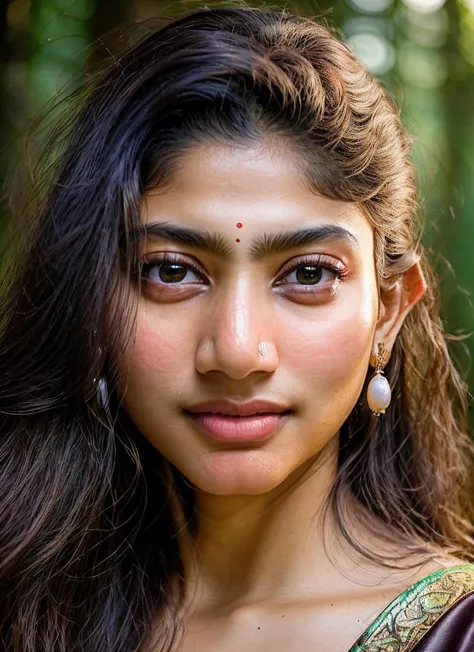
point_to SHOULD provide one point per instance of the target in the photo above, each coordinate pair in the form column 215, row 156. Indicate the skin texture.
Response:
column 260, row 559
column 197, row 342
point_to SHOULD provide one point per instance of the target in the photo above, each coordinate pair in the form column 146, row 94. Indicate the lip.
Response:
column 237, row 429
column 233, row 422
column 236, row 408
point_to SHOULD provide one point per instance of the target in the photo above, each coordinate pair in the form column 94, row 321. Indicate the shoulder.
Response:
column 434, row 610
column 453, row 631
column 449, row 605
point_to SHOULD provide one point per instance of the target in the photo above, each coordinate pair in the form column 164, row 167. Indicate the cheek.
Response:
column 331, row 355
column 158, row 349
column 156, row 368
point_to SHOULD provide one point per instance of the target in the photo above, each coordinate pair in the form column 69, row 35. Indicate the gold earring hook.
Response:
column 380, row 360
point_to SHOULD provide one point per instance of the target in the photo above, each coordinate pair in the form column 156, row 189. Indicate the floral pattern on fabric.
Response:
column 404, row 622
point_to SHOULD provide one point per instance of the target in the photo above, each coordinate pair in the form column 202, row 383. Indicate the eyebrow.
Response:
column 261, row 247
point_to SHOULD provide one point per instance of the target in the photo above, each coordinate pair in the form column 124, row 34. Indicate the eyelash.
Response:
column 153, row 260
column 318, row 260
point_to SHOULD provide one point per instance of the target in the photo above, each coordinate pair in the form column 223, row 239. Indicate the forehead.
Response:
column 260, row 187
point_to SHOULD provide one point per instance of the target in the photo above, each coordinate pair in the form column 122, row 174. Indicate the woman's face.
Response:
column 202, row 314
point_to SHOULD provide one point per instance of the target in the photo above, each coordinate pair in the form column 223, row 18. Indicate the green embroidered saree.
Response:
column 415, row 620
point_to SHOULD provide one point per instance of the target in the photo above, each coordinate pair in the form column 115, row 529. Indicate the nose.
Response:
column 237, row 324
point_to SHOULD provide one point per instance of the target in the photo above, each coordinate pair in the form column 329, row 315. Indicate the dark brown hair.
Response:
column 89, row 510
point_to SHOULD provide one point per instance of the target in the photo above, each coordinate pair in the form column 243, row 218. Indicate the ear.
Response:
column 397, row 298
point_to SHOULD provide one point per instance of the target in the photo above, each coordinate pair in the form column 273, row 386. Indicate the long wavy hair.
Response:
column 89, row 510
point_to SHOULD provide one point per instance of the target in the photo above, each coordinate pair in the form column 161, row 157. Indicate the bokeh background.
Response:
column 422, row 50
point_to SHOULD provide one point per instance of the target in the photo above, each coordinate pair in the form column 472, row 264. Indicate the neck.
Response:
column 270, row 547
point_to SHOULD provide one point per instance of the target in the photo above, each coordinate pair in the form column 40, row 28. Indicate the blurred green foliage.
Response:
column 422, row 50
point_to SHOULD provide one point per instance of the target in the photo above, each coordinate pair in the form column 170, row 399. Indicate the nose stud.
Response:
column 263, row 348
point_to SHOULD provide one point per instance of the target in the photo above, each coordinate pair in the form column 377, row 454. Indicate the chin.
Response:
column 233, row 472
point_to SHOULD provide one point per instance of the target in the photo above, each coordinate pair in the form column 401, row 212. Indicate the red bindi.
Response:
column 237, row 240
column 239, row 225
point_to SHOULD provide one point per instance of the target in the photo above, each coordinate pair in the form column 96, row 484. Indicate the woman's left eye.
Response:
column 310, row 275
column 314, row 274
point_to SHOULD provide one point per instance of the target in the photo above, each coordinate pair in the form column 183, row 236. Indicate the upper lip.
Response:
column 226, row 406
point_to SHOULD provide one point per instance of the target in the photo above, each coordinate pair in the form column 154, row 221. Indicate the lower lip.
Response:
column 238, row 429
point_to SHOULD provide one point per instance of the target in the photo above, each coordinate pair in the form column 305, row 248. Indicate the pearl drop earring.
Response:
column 378, row 390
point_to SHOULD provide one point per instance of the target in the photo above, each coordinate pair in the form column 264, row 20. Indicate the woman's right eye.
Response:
column 170, row 273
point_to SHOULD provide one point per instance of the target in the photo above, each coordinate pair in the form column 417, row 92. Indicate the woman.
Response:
column 229, row 416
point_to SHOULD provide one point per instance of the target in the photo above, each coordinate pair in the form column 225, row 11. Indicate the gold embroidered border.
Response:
column 405, row 621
